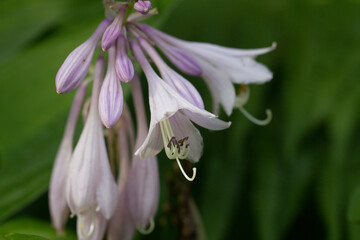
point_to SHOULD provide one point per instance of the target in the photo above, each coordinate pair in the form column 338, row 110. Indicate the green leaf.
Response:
column 17, row 236
column 34, row 227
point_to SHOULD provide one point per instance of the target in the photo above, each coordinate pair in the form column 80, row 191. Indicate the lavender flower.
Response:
column 220, row 66
column 77, row 64
column 90, row 184
column 123, row 65
column 113, row 31
column 83, row 179
column 111, row 95
column 142, row 7
column 144, row 176
column 57, row 200
column 121, row 225
column 170, row 120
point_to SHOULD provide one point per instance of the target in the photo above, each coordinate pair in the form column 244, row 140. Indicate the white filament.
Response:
column 149, row 229
column 184, row 173
column 256, row 121
column 92, row 227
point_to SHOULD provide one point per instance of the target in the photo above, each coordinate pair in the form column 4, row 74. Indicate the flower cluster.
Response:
column 83, row 179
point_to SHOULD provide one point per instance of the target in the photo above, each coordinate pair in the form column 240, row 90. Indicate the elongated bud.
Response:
column 142, row 7
column 113, row 31
column 57, row 195
column 111, row 95
column 76, row 65
column 123, row 65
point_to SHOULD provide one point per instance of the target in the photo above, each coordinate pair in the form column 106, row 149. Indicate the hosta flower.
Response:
column 77, row 64
column 57, row 199
column 90, row 185
column 123, row 65
column 171, row 119
column 220, row 66
column 113, row 31
column 121, row 225
column 84, row 178
column 144, row 175
column 111, row 94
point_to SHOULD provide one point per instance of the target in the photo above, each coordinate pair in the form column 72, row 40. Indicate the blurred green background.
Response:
column 297, row 178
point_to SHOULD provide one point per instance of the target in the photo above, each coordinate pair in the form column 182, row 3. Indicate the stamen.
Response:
column 184, row 173
column 92, row 227
column 149, row 229
column 256, row 121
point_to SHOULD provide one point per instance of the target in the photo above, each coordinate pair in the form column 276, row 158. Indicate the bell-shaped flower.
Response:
column 123, row 65
column 218, row 64
column 76, row 65
column 171, row 119
column 144, row 183
column 59, row 210
column 121, row 225
column 91, row 185
column 111, row 95
column 113, row 31
column 175, row 80
column 142, row 7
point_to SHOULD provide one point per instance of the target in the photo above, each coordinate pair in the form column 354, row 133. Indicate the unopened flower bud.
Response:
column 142, row 7
column 76, row 65
column 57, row 198
column 111, row 95
column 123, row 65
column 113, row 31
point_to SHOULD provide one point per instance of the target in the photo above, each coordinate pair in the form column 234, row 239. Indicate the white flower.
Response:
column 171, row 119
column 91, row 186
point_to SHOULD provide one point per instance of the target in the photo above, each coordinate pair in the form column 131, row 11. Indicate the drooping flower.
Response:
column 144, row 182
column 171, row 116
column 111, row 94
column 76, row 65
column 220, row 66
column 121, row 225
column 57, row 199
column 90, row 184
